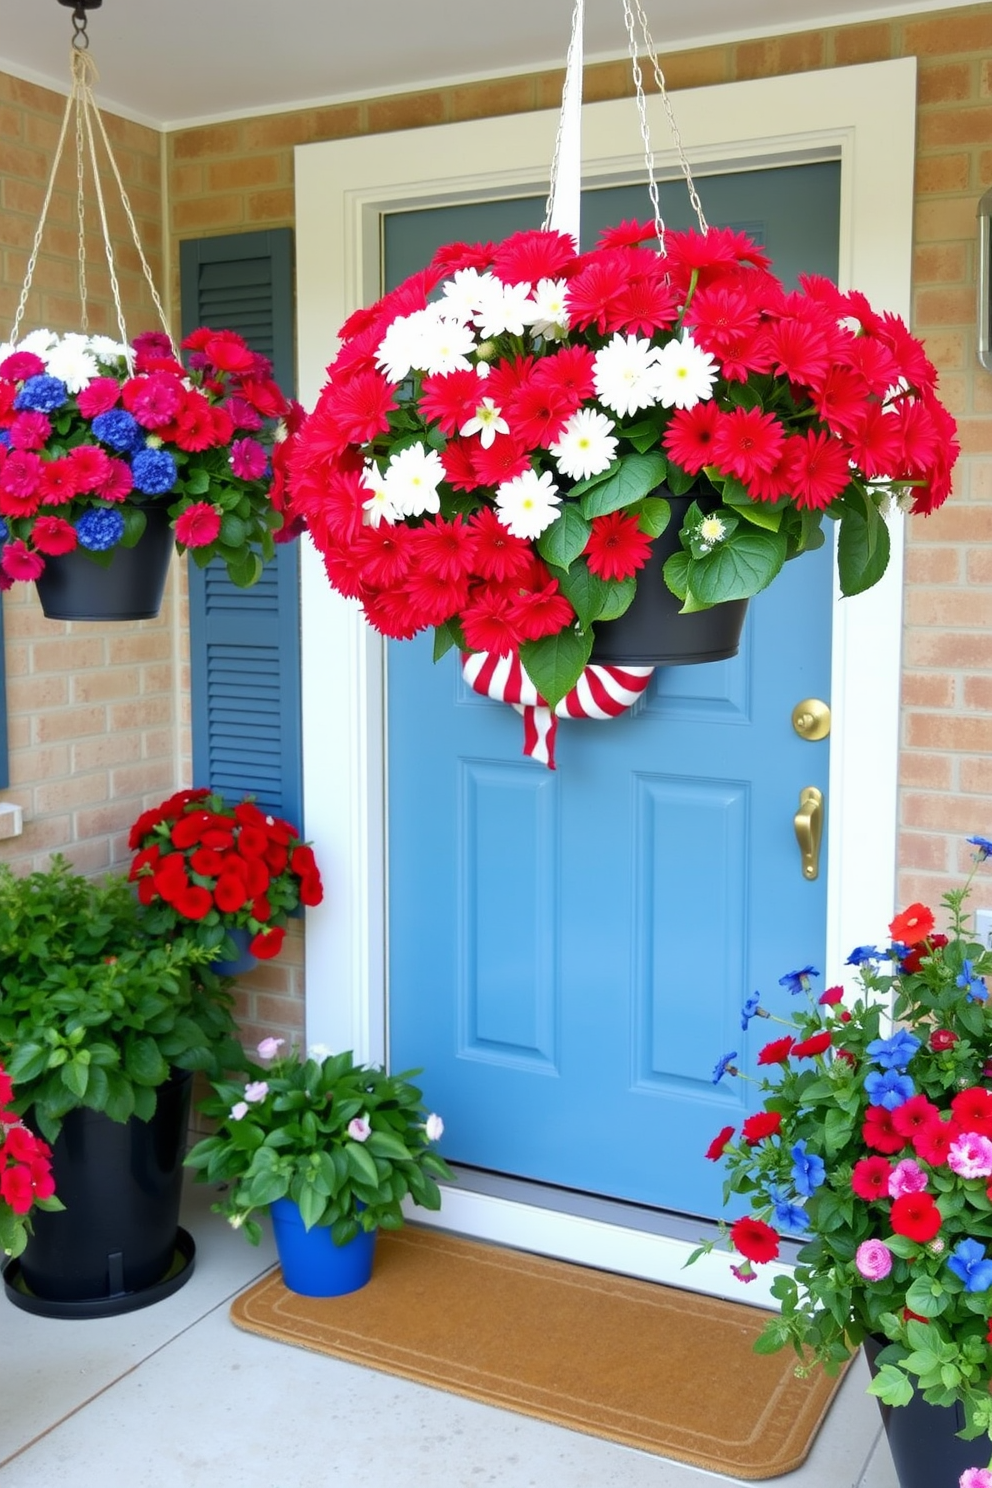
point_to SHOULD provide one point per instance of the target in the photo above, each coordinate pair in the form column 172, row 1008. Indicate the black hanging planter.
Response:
column 926, row 1450
column 73, row 587
column 117, row 1245
column 652, row 632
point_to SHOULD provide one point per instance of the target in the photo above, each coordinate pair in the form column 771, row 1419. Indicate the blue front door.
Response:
column 569, row 952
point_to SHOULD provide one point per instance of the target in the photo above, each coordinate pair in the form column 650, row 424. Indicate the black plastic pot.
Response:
column 73, row 587
column 926, row 1450
column 652, row 632
column 117, row 1245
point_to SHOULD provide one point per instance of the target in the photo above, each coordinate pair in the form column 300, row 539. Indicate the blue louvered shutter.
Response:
column 245, row 643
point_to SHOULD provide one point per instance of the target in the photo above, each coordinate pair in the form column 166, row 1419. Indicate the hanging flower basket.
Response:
column 72, row 586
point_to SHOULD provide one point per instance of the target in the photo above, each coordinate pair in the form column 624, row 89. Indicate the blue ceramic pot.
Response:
column 312, row 1264
column 244, row 961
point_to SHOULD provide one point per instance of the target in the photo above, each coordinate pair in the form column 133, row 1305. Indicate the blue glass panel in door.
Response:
column 570, row 950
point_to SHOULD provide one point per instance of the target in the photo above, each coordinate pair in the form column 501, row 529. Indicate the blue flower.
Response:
column 890, row 1089
column 808, row 1171
column 724, row 1066
column 977, row 990
column 788, row 1214
column 153, row 471
column 969, row 1262
column 4, row 530
column 750, row 1010
column 5, row 437
column 42, row 394
column 893, row 1053
column 864, row 953
column 119, row 429
column 798, row 981
column 100, row 528
column 984, row 847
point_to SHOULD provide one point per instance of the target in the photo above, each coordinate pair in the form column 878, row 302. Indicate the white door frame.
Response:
column 864, row 117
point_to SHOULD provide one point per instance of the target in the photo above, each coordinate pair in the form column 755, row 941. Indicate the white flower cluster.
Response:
column 629, row 374
column 74, row 358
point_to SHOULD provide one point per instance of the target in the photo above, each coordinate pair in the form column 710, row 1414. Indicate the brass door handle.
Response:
column 808, row 822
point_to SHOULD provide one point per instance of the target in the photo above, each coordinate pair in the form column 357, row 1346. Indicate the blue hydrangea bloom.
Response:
column 893, row 1053
column 724, row 1066
column 798, row 981
column 864, row 953
column 99, row 529
column 153, row 471
column 889, row 1089
column 808, row 1170
column 42, row 394
column 968, row 1261
column 984, row 847
column 119, row 429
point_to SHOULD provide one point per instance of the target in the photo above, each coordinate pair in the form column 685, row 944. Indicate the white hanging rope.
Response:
column 564, row 208
column 659, row 77
column 81, row 99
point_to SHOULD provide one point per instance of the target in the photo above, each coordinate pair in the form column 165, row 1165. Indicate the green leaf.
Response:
column 555, row 663
column 643, row 436
column 891, row 1386
column 737, row 568
column 443, row 641
column 75, row 1076
column 591, row 481
column 585, row 593
column 653, row 515
column 245, row 569
column 676, row 572
column 361, row 1164
column 679, row 481
column 862, row 549
column 197, row 483
column 387, row 1144
column 144, row 1063
column 638, row 475
column 312, row 1206
column 562, row 542
column 619, row 598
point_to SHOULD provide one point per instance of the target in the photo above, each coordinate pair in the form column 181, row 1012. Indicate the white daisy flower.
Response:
column 551, row 317
column 586, row 445
column 528, row 503
column 464, row 292
column 487, row 422
column 107, row 349
column 445, row 346
column 73, row 362
column 378, row 508
column 411, row 480
column 403, row 346
column 506, row 309
column 625, row 374
column 37, row 341
column 686, row 374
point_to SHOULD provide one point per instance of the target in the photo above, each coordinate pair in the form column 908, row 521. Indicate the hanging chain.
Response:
column 642, row 114
column 659, row 78
column 81, row 99
column 555, row 159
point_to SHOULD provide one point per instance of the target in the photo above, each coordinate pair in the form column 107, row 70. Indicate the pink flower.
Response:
column 198, row 525
column 248, row 459
column 975, row 1477
column 99, row 396
column 970, row 1156
column 256, row 1090
column 873, row 1259
column 30, row 431
column 359, row 1129
column 906, row 1177
column 239, row 1110
column 21, row 365
column 269, row 1048
column 18, row 562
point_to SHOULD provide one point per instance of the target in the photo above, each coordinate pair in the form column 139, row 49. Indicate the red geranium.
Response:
column 754, row 1239
column 916, row 1216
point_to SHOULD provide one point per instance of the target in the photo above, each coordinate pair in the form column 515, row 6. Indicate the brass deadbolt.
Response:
column 811, row 719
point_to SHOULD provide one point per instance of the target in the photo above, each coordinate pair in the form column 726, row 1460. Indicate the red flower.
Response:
column 973, row 1110
column 818, row 469
column 498, row 554
column 689, row 436
column 746, row 441
column 715, row 1150
column 311, row 889
column 870, row 1179
column 17, row 562
column 777, row 1052
column 816, row 1044
column 762, row 1124
column 526, row 257
column 942, row 1039
column 913, row 925
column 445, row 550
column 451, row 398
column 53, row 536
column 230, row 893
column 207, row 861
column 916, row 1216
column 915, row 1115
column 754, row 1239
column 99, row 396
column 933, row 1143
column 831, row 997
column 916, row 955
column 879, row 1131
column 488, row 625
column 267, row 943
column 540, row 612
column 616, row 547
column 199, row 525
column 193, row 903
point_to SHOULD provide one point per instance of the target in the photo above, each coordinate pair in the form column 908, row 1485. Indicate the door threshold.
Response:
column 606, row 1234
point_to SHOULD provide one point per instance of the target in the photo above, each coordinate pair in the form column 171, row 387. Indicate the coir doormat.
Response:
column 664, row 1370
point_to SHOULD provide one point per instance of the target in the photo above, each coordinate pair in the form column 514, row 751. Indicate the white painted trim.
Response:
column 865, row 116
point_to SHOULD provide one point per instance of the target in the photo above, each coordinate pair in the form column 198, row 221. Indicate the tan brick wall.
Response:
column 946, row 753
column 92, row 708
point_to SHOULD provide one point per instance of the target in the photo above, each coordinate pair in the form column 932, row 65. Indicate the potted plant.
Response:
column 103, row 445
column 223, row 877
column 102, row 1021
column 25, row 1174
column 873, row 1150
column 506, row 438
column 331, row 1148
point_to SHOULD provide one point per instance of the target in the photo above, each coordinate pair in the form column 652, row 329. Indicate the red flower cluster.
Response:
column 209, row 868
column 836, row 394
column 25, row 1160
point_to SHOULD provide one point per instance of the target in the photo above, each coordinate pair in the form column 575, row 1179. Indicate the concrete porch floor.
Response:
column 174, row 1396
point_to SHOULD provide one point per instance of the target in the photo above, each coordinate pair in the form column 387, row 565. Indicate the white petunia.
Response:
column 506, row 309
column 463, row 293
column 586, row 445
column 37, row 341
column 625, row 374
column 411, row 481
column 378, row 508
column 528, row 503
column 686, row 374
column 487, row 422
column 550, row 316
column 73, row 362
column 445, row 346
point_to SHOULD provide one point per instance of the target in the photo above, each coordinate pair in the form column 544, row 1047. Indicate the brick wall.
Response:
column 92, row 708
column 238, row 175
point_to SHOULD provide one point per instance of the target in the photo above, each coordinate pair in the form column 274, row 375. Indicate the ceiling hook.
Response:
column 80, row 39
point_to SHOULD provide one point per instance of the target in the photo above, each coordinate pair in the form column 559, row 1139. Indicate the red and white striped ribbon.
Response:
column 601, row 692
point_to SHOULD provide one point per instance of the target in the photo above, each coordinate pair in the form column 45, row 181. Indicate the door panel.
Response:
column 569, row 951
